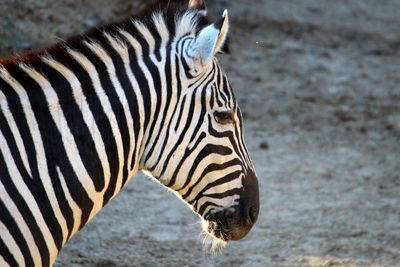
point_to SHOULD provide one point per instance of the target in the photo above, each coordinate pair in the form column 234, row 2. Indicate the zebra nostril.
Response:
column 252, row 215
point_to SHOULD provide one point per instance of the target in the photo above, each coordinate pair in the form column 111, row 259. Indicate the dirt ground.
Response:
column 319, row 84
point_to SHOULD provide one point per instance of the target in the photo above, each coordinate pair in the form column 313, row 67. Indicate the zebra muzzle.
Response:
column 234, row 223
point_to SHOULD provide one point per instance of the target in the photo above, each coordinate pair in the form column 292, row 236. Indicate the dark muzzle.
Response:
column 234, row 223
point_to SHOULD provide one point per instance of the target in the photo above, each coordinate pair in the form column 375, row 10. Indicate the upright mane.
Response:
column 179, row 20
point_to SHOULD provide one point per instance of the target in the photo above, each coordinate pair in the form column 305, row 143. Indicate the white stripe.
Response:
column 70, row 148
column 11, row 245
column 210, row 159
column 76, row 210
column 161, row 28
column 186, row 24
column 168, row 121
column 180, row 150
column 146, row 35
column 14, row 129
column 121, row 48
column 123, row 51
column 30, row 202
column 225, row 203
column 3, row 262
column 158, row 127
column 138, row 51
column 222, row 188
column 87, row 115
column 149, row 79
column 211, row 176
column 105, row 103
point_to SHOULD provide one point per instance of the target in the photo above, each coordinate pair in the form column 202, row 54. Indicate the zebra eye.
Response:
column 223, row 117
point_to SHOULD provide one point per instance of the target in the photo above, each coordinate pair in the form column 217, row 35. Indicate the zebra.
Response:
column 78, row 119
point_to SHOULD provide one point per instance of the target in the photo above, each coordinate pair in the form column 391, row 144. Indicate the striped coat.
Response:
column 79, row 119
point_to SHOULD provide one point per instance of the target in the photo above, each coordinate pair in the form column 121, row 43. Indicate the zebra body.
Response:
column 77, row 120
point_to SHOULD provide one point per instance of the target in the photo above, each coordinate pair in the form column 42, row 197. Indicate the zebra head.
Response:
column 205, row 159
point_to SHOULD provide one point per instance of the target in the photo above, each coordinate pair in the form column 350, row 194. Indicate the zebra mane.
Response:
column 177, row 17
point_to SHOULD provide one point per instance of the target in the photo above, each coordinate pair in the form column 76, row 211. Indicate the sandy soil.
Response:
column 319, row 83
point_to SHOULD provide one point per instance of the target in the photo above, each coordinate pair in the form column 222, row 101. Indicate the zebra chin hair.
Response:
column 211, row 244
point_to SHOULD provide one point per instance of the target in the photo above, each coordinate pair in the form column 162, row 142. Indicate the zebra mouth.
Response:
column 221, row 224
column 230, row 224
column 218, row 231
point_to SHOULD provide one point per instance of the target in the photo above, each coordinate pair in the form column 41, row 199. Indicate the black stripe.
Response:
column 206, row 205
column 186, row 155
column 188, row 118
column 218, row 75
column 240, row 147
column 210, row 168
column 27, row 216
column 129, row 94
column 116, row 106
column 218, row 84
column 211, row 149
column 157, row 39
column 102, row 122
column 55, row 156
column 178, row 76
column 204, row 107
column 76, row 124
column 142, row 83
column 222, row 94
column 16, row 109
column 241, row 137
column 182, row 106
column 206, row 151
column 20, row 120
column 186, row 127
column 155, row 73
column 222, row 89
column 117, row 109
column 62, row 201
column 229, row 134
column 185, row 64
column 132, row 101
column 227, row 89
column 35, row 185
column 223, row 180
column 137, row 71
column 228, row 193
column 182, row 134
column 168, row 82
column 212, row 97
column 8, row 257
column 231, row 192
column 168, row 125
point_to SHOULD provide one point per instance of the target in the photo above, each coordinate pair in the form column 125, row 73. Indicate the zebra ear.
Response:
column 210, row 40
column 200, row 4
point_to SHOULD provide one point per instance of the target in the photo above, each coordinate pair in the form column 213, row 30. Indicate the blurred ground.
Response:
column 319, row 83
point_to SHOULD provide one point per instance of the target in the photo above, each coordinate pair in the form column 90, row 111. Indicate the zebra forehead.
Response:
column 223, row 88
